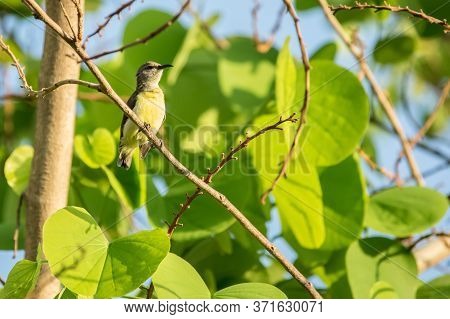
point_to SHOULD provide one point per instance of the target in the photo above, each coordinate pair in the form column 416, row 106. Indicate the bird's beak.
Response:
column 164, row 66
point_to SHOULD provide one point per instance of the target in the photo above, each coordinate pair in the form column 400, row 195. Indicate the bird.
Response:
column 147, row 101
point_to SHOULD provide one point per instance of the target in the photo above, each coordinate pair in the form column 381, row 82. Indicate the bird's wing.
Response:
column 131, row 103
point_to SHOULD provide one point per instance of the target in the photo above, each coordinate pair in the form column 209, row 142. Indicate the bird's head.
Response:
column 149, row 74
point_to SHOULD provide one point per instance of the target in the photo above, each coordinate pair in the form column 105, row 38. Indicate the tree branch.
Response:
column 432, row 253
column 148, row 37
column 306, row 98
column 44, row 91
column 381, row 96
column 109, row 91
column 433, row 116
column 66, row 16
column 225, row 159
column 117, row 12
column 374, row 166
column 264, row 46
column 387, row 7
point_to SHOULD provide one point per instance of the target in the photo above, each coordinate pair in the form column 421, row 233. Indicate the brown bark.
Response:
column 50, row 173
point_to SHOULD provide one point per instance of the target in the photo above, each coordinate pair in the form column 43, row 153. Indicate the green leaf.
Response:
column 245, row 76
column 405, row 211
column 21, row 280
column 96, row 150
column 438, row 288
column 117, row 187
column 382, row 290
column 326, row 52
column 381, row 259
column 298, row 197
column 344, row 199
column 250, row 291
column 338, row 115
column 194, row 39
column 177, row 279
column 84, row 261
column 18, row 167
column 162, row 48
column 299, row 202
column 393, row 50
column 286, row 79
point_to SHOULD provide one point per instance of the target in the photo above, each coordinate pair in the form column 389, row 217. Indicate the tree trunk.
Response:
column 55, row 122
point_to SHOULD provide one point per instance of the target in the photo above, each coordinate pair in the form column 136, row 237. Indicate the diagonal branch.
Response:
column 225, row 159
column 381, row 96
column 387, row 7
column 109, row 91
column 108, row 19
column 148, row 37
column 374, row 166
column 433, row 116
column 306, row 98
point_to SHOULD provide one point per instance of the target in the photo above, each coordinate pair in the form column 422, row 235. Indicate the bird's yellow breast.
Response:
column 150, row 108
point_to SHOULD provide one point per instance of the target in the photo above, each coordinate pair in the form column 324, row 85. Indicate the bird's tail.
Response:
column 125, row 156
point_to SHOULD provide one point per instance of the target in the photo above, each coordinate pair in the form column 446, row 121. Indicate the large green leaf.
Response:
column 17, row 168
column 338, row 114
column 381, row 259
column 162, row 48
column 96, row 150
column 21, row 280
column 326, row 52
column 393, row 50
column 250, row 291
column 344, row 198
column 286, row 80
column 299, row 196
column 245, row 76
column 177, row 279
column 382, row 290
column 81, row 257
column 438, row 288
column 405, row 211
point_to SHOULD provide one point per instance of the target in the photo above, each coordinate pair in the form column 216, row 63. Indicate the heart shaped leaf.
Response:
column 83, row 259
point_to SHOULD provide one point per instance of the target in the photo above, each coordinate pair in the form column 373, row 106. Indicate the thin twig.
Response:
column 427, row 236
column 44, row 91
column 225, row 159
column 381, row 96
column 427, row 124
column 159, row 145
column 108, row 18
column 16, row 64
column 264, row 46
column 67, row 19
column 220, row 44
column 76, row 3
column 374, row 166
column 387, row 7
column 433, row 116
column 17, row 229
column 148, row 37
column 305, row 104
column 2, row 281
